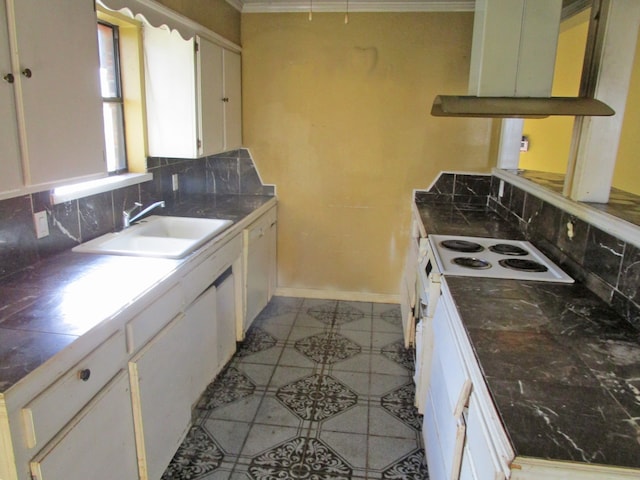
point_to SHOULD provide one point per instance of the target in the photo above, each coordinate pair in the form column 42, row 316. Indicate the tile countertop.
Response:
column 45, row 307
column 563, row 368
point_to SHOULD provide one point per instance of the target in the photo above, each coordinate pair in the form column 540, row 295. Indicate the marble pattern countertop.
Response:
column 45, row 307
column 563, row 368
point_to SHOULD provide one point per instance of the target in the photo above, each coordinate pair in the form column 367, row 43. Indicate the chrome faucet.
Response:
column 127, row 220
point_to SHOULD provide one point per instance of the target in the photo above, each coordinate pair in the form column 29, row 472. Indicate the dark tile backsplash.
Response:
column 605, row 264
column 226, row 173
column 77, row 221
column 457, row 188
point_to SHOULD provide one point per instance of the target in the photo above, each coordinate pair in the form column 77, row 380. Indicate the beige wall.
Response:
column 216, row 15
column 337, row 116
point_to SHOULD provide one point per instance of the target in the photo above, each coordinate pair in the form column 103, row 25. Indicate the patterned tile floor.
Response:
column 318, row 390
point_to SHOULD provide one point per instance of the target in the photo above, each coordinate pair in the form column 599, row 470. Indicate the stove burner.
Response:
column 462, row 246
column 507, row 249
column 472, row 262
column 523, row 264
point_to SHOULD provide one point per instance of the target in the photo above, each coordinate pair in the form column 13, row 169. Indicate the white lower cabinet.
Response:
column 457, row 433
column 226, row 318
column 161, row 391
column 433, row 446
column 98, row 443
column 203, row 347
column 171, row 371
column 467, row 472
column 481, row 455
column 117, row 404
column 408, row 292
column 260, row 268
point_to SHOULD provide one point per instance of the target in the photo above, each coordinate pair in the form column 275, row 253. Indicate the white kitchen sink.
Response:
column 157, row 236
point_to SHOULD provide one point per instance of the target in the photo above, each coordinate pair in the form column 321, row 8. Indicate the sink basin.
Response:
column 156, row 236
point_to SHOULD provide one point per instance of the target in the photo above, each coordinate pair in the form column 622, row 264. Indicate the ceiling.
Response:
column 255, row 6
column 260, row 6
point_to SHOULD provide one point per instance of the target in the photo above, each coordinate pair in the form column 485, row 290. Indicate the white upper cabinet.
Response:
column 11, row 178
column 211, row 101
column 232, row 99
column 220, row 98
column 170, row 85
column 192, row 95
column 54, row 53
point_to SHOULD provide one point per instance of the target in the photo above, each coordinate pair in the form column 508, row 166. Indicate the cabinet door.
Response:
column 57, row 51
column 257, row 272
column 98, row 443
column 233, row 102
column 479, row 448
column 201, row 317
column 432, row 445
column 226, row 320
column 170, row 87
column 161, row 390
column 11, row 178
column 408, row 293
column 211, row 102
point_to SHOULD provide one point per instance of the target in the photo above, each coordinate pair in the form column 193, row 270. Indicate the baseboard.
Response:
column 337, row 295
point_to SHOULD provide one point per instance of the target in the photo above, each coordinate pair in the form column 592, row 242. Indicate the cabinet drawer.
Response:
column 145, row 325
column 45, row 415
column 198, row 280
column 259, row 227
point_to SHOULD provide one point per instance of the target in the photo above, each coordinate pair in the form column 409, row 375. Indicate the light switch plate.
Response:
column 41, row 223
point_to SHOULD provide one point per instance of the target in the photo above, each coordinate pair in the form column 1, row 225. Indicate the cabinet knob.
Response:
column 225, row 99
column 27, row 72
column 9, row 78
column 84, row 374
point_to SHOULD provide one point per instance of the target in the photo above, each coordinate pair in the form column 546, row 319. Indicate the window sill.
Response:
column 80, row 190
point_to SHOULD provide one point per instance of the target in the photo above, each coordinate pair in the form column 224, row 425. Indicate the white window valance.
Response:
column 157, row 15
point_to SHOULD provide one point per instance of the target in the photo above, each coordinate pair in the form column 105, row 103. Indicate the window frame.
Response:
column 122, row 164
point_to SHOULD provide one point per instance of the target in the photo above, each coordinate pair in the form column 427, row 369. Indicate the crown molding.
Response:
column 271, row 6
column 237, row 4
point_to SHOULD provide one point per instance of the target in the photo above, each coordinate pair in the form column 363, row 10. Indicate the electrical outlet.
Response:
column 174, row 182
column 42, row 224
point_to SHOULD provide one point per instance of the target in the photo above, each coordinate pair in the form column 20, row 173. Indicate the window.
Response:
column 112, row 98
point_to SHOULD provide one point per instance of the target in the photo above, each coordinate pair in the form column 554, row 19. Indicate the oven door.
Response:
column 427, row 298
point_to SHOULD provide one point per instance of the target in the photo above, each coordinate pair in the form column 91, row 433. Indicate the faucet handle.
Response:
column 129, row 211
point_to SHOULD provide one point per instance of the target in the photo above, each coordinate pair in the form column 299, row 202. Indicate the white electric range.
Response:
column 493, row 258
column 453, row 255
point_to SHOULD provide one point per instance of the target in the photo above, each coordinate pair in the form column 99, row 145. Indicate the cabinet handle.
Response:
column 27, row 72
column 84, row 374
column 9, row 78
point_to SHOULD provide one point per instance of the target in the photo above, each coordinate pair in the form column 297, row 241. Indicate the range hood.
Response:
column 512, row 64
column 517, row 107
